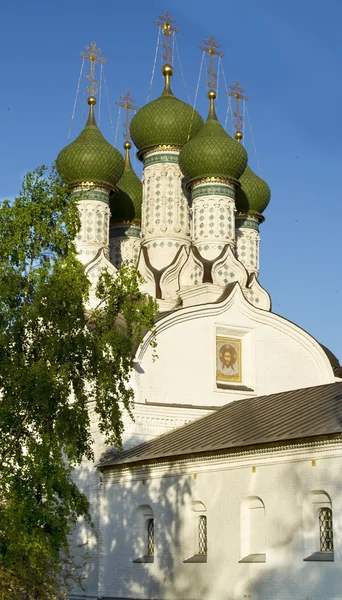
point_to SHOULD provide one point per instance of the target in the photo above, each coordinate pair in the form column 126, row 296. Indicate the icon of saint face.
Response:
column 227, row 358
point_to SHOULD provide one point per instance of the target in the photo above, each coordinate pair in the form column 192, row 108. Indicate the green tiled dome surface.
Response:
column 164, row 121
column 212, row 153
column 90, row 158
column 253, row 195
column 125, row 203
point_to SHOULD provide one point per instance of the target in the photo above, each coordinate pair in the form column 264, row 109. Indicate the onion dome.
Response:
column 125, row 203
column 213, row 152
column 254, row 194
column 90, row 158
column 166, row 121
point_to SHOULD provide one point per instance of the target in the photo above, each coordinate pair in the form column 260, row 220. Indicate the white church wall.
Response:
column 276, row 355
column 279, row 483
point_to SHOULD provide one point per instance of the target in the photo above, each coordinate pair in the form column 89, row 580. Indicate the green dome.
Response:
column 253, row 195
column 165, row 121
column 90, row 158
column 125, row 203
column 212, row 153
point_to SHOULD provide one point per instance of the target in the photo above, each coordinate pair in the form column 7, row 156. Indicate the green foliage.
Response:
column 55, row 357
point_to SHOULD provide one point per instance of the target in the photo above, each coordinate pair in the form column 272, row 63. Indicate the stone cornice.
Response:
column 263, row 456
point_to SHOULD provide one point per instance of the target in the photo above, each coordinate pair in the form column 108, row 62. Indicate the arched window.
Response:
column 144, row 546
column 202, row 535
column 197, row 536
column 318, row 527
column 253, row 530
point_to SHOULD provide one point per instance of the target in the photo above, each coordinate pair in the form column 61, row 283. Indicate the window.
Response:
column 318, row 527
column 253, row 530
column 326, row 530
column 150, row 537
column 143, row 538
column 196, row 541
column 202, row 535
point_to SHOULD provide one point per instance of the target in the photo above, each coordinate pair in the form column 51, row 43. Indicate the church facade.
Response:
column 229, row 483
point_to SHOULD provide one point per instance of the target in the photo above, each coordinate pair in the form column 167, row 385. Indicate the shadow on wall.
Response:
column 146, row 522
column 295, row 569
column 131, row 563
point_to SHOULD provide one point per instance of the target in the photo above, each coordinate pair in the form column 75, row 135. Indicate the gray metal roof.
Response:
column 296, row 414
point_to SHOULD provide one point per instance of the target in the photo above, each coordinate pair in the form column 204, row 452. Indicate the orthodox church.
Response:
column 228, row 486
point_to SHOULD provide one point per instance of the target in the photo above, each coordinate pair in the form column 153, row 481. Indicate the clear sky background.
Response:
column 288, row 58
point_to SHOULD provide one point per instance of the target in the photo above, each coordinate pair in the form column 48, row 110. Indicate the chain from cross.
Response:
column 128, row 104
column 211, row 47
column 168, row 30
column 92, row 54
column 237, row 94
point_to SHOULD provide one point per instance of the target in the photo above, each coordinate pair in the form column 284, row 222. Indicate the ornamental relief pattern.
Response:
column 124, row 248
column 213, row 220
column 247, row 249
column 94, row 218
column 165, row 210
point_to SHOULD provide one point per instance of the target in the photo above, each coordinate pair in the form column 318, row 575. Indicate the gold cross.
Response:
column 168, row 29
column 237, row 94
column 128, row 104
column 92, row 55
column 210, row 47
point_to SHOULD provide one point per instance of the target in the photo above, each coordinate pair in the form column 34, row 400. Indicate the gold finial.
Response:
column 212, row 112
column 127, row 145
column 167, row 71
column 166, row 24
column 238, row 123
column 93, row 55
column 211, row 47
column 128, row 104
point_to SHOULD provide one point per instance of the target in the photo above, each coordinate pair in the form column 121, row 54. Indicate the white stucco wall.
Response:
column 276, row 355
column 282, row 480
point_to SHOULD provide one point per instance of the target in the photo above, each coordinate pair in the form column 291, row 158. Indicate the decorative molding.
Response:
column 93, row 271
column 149, row 284
column 160, row 157
column 169, row 280
column 213, row 189
column 265, row 456
column 257, row 295
column 228, row 270
column 200, row 294
column 233, row 296
column 246, row 222
column 192, row 272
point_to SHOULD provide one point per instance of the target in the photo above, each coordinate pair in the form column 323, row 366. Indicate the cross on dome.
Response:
column 128, row 104
column 237, row 94
column 166, row 24
column 92, row 54
column 211, row 47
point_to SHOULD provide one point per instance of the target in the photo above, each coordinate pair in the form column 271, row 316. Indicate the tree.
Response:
column 55, row 356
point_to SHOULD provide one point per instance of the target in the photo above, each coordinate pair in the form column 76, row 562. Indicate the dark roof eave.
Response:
column 276, row 444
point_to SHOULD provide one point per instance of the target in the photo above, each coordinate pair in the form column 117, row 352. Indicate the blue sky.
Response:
column 286, row 55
